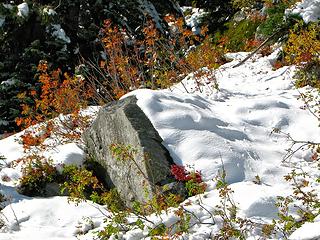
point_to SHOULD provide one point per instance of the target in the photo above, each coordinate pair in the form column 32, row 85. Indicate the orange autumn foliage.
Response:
column 31, row 139
column 60, row 94
column 151, row 60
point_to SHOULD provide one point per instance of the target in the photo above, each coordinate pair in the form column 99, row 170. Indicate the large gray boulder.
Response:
column 128, row 149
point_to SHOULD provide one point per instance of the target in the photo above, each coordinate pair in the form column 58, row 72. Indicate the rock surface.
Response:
column 124, row 142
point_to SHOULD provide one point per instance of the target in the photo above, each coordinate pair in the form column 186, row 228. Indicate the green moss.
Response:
column 274, row 20
column 238, row 33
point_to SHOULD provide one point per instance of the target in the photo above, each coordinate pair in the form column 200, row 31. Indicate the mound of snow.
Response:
column 194, row 18
column 2, row 20
column 309, row 10
column 59, row 33
column 52, row 218
column 307, row 231
column 23, row 10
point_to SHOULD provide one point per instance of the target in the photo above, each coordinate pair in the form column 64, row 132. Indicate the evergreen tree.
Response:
column 219, row 12
column 60, row 32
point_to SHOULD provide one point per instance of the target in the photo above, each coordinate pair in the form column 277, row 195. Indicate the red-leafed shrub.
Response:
column 192, row 180
column 181, row 174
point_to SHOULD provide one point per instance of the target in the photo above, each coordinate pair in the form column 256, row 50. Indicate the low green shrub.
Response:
column 161, row 201
column 276, row 19
column 81, row 184
column 241, row 4
column 113, row 200
column 37, row 173
column 3, row 162
column 239, row 33
column 78, row 183
column 302, row 206
column 233, row 226
column 2, row 199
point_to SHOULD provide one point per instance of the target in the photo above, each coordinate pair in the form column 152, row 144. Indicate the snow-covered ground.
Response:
column 204, row 129
column 309, row 10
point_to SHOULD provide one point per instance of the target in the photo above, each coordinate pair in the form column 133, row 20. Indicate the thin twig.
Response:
column 258, row 48
column 294, row 142
column 307, row 105
column 210, row 213
column 14, row 214
column 58, row 5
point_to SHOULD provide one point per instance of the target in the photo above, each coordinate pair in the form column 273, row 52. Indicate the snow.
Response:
column 309, row 10
column 307, row 231
column 4, row 122
column 12, row 150
column 193, row 19
column 235, row 126
column 10, row 81
column 23, row 10
column 209, row 130
column 53, row 218
column 70, row 154
column 59, row 33
column 49, row 11
column 148, row 8
column 231, row 129
column 2, row 20
column 7, row 6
